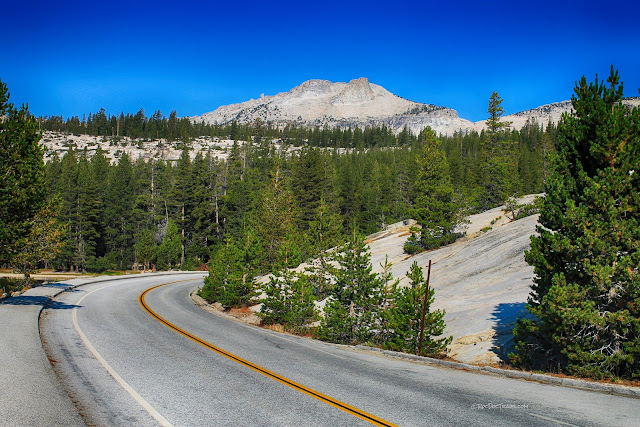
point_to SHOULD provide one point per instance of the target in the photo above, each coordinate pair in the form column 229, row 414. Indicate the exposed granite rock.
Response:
column 357, row 103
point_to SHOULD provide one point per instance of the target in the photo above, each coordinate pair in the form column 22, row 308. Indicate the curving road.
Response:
column 121, row 366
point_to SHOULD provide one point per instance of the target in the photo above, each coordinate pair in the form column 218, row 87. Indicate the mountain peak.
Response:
column 314, row 86
column 357, row 91
column 356, row 103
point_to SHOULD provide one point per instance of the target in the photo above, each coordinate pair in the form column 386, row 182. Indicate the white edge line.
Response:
column 146, row 405
column 552, row 420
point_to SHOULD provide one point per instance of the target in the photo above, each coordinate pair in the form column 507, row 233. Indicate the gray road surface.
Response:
column 164, row 377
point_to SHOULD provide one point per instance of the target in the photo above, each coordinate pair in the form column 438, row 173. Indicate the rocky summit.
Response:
column 357, row 103
column 361, row 103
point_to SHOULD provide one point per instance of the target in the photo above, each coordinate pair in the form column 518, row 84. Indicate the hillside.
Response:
column 482, row 281
column 315, row 103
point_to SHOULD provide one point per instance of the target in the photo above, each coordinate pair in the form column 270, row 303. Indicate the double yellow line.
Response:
column 323, row 398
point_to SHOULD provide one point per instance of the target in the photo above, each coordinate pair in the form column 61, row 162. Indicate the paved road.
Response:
column 164, row 377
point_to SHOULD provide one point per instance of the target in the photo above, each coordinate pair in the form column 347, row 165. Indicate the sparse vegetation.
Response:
column 515, row 211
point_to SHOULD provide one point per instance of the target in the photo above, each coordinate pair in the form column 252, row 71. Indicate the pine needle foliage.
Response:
column 22, row 191
column 404, row 318
column 586, row 293
column 353, row 311
column 231, row 275
column 437, row 209
column 289, row 301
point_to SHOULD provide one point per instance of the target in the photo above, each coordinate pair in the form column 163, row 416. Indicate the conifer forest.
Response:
column 177, row 214
column 265, row 208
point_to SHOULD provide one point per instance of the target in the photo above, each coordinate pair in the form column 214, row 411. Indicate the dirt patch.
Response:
column 244, row 314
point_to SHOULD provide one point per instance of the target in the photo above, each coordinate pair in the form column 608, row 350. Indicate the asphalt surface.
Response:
column 122, row 367
column 30, row 392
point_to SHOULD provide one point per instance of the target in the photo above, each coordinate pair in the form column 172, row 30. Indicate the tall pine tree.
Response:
column 22, row 190
column 498, row 165
column 437, row 209
column 353, row 312
column 586, row 295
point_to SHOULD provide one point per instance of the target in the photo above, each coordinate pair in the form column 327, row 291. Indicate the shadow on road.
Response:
column 505, row 315
column 39, row 300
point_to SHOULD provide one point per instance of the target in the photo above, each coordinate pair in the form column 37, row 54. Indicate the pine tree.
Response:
column 181, row 198
column 118, row 213
column 145, row 247
column 289, row 301
column 238, row 196
column 437, row 209
column 308, row 183
column 353, row 312
column 586, row 293
column 22, row 190
column 498, row 163
column 325, row 229
column 169, row 253
column 67, row 190
column 44, row 242
column 89, row 208
column 494, row 123
column 276, row 220
column 405, row 318
column 231, row 277
column 203, row 215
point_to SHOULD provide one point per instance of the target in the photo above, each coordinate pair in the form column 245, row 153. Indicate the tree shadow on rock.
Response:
column 504, row 316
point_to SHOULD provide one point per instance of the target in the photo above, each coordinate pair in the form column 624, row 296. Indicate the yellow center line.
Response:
column 323, row 398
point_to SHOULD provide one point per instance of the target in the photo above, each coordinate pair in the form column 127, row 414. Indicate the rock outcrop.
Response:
column 361, row 103
column 546, row 113
column 357, row 103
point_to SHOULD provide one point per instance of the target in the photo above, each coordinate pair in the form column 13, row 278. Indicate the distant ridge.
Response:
column 547, row 113
column 320, row 103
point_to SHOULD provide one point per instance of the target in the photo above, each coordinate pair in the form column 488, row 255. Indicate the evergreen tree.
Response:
column 308, row 183
column 99, row 172
column 325, row 229
column 353, row 312
column 494, row 123
column 437, row 209
column 276, row 220
column 288, row 301
column 145, row 247
column 497, row 169
column 119, row 225
column 22, row 189
column 238, row 199
column 44, row 242
column 586, row 293
column 181, row 198
column 405, row 318
column 67, row 190
column 89, row 209
column 231, row 280
column 169, row 253
column 52, row 175
column 205, row 226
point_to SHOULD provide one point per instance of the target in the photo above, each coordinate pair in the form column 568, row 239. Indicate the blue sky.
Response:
column 70, row 58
